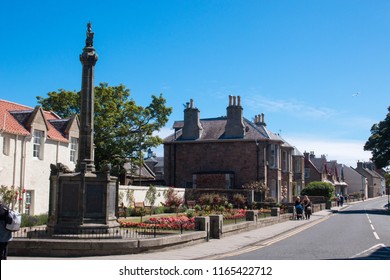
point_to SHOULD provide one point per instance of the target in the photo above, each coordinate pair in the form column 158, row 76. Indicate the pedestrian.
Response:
column 338, row 200
column 341, row 200
column 307, row 206
column 5, row 234
column 299, row 208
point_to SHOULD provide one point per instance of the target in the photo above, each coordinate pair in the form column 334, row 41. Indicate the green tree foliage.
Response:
column 151, row 197
column 319, row 189
column 122, row 129
column 379, row 142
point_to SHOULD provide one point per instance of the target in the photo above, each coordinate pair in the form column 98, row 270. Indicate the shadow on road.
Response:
column 367, row 211
column 382, row 253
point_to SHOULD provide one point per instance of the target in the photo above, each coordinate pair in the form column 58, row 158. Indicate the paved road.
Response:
column 359, row 231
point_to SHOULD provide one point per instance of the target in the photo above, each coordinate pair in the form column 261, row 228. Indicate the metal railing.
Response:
column 115, row 233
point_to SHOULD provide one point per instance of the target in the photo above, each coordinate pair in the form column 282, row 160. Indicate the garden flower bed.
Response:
column 164, row 223
column 181, row 222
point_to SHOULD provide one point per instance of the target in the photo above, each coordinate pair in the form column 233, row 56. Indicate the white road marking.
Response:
column 368, row 250
column 372, row 227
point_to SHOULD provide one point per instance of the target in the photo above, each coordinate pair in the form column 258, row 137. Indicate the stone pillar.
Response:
column 216, row 225
column 251, row 215
column 203, row 224
column 86, row 147
column 275, row 211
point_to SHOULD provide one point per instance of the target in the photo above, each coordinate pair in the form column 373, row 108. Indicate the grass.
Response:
column 137, row 219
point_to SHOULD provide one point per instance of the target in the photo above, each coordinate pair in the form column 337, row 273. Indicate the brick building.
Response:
column 321, row 169
column 228, row 152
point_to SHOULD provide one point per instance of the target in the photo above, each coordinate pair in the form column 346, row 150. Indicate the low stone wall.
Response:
column 103, row 247
column 256, row 223
column 205, row 228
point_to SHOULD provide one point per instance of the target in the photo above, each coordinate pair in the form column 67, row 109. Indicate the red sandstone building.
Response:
column 228, row 152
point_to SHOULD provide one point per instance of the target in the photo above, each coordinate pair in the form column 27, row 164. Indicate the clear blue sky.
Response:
column 318, row 70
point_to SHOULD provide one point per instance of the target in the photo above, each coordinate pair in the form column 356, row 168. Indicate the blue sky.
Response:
column 318, row 70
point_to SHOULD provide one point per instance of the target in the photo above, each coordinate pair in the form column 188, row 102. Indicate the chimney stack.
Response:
column 235, row 127
column 192, row 128
column 259, row 120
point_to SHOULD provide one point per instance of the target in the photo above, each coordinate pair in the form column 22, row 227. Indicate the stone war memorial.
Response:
column 84, row 200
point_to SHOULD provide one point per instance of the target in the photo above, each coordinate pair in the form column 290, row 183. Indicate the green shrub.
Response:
column 190, row 213
column 319, row 189
column 270, row 199
column 159, row 210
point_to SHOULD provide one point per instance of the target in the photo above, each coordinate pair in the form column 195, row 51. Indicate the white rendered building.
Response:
column 30, row 140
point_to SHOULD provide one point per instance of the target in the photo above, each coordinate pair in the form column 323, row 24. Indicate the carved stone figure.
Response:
column 89, row 40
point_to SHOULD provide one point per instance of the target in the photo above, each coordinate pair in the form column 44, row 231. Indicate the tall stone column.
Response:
column 86, row 147
column 84, row 201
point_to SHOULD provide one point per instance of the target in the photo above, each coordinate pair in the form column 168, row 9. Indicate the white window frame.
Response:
column 28, row 202
column 73, row 147
column 274, row 156
column 38, row 143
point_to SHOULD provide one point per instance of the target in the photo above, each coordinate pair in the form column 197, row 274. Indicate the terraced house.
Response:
column 227, row 152
column 31, row 140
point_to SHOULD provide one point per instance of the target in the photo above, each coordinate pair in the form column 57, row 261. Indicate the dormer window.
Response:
column 38, row 144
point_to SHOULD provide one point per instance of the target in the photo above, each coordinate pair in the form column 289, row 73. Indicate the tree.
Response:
column 379, row 142
column 151, row 197
column 122, row 129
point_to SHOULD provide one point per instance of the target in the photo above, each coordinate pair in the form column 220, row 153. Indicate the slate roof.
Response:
column 214, row 129
column 15, row 118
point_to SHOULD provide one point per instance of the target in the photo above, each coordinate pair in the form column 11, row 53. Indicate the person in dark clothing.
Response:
column 299, row 208
column 5, row 235
column 307, row 207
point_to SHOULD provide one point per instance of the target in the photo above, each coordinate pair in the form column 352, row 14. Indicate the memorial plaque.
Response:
column 69, row 199
column 94, row 199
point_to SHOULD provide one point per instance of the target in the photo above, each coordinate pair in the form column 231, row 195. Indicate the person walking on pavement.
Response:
column 5, row 235
column 341, row 200
column 307, row 206
column 298, row 208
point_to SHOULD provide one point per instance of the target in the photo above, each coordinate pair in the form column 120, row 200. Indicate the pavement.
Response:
column 217, row 248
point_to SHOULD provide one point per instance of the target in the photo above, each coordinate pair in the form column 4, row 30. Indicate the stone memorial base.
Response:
column 82, row 203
